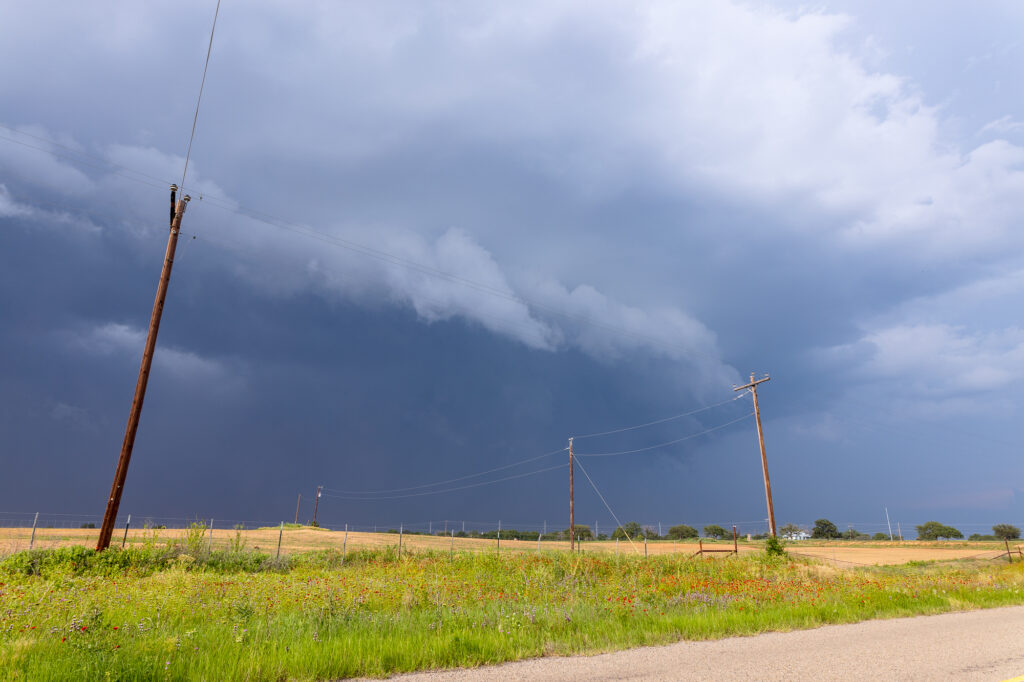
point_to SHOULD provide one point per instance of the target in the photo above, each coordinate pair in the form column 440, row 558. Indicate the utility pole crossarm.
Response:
column 752, row 386
column 752, row 383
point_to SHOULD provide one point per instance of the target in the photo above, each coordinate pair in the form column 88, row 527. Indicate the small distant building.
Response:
column 798, row 535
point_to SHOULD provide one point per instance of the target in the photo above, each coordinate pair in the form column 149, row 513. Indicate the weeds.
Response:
column 157, row 613
column 194, row 537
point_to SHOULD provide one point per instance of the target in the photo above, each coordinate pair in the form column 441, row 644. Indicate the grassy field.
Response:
column 306, row 539
column 159, row 614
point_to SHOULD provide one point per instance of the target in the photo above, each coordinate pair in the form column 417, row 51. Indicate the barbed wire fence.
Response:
column 30, row 530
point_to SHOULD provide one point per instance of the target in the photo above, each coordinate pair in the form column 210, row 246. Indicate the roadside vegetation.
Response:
column 182, row 612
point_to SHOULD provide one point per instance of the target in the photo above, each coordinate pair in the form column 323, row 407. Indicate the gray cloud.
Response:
column 688, row 192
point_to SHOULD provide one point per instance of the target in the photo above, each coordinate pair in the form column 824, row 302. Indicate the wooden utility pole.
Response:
column 760, row 439
column 316, row 504
column 114, row 501
column 297, row 502
column 572, row 511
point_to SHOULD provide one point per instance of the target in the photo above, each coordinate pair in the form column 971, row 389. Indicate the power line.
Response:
column 660, row 421
column 451, row 480
column 448, row 490
column 195, row 118
column 671, row 442
column 81, row 161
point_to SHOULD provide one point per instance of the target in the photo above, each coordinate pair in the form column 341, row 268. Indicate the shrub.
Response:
column 774, row 547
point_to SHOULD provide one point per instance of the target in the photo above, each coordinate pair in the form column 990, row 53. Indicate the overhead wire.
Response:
column 662, row 421
column 451, row 480
column 667, row 443
column 449, row 490
column 139, row 180
column 199, row 99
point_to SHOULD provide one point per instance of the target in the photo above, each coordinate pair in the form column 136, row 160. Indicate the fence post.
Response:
column 735, row 542
column 208, row 551
column 280, row 535
column 645, row 546
column 126, row 524
column 499, row 535
column 400, row 529
column 1009, row 557
column 451, row 547
column 32, row 540
column 538, row 543
column 616, row 547
column 344, row 546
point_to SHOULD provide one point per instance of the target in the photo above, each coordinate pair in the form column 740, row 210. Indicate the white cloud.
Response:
column 1002, row 126
column 126, row 342
column 9, row 208
column 939, row 361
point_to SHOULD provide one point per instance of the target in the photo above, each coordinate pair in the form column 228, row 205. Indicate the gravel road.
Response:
column 973, row 645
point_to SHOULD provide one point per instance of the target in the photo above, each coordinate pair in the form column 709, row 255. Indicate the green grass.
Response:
column 148, row 614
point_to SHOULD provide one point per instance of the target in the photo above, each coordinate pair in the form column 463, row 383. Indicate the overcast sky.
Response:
column 431, row 240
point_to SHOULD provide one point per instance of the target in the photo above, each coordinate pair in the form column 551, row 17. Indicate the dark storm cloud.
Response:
column 648, row 200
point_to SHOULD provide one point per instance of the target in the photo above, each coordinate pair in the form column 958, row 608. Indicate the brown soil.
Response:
column 305, row 539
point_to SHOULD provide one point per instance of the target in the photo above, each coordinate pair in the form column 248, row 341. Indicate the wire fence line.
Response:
column 593, row 527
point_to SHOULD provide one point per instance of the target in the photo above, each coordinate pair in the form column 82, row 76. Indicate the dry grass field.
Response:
column 305, row 539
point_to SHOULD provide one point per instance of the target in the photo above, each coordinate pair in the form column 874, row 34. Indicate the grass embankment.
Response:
column 144, row 614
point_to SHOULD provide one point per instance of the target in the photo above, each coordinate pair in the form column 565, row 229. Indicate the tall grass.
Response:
column 163, row 613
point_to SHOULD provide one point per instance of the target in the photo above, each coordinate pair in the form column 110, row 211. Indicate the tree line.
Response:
column 930, row 530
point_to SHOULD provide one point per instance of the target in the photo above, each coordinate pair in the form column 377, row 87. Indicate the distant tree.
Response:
column 715, row 531
column 879, row 536
column 979, row 537
column 933, row 530
column 631, row 530
column 823, row 528
column 682, row 532
column 88, row 525
column 789, row 530
column 854, row 534
column 1005, row 531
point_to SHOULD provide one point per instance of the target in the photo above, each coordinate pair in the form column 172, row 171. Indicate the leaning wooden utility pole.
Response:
column 297, row 503
column 107, row 529
column 760, row 439
column 572, row 511
column 316, row 504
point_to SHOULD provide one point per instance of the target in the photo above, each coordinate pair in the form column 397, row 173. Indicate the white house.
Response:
column 798, row 535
